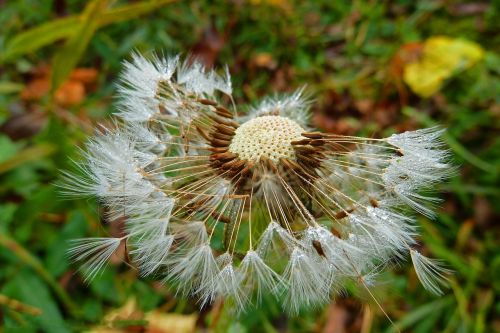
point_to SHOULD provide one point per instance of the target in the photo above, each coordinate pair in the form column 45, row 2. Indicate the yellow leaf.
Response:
column 441, row 58
column 424, row 79
column 454, row 54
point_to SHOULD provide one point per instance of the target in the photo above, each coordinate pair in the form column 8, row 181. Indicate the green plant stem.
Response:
column 27, row 155
column 18, row 306
column 30, row 260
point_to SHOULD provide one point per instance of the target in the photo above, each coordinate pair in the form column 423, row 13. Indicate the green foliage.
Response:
column 52, row 31
column 28, row 288
column 67, row 57
column 344, row 51
column 40, row 36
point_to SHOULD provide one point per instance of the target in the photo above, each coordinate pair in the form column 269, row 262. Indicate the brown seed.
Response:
column 202, row 133
column 335, row 232
column 292, row 165
column 343, row 213
column 220, row 136
column 218, row 149
column 240, row 181
column 215, row 118
column 219, row 143
column 240, row 164
column 399, row 152
column 287, row 163
column 207, row 102
column 317, row 143
column 317, row 246
column 313, row 135
column 233, row 123
column 224, row 129
column 374, row 202
column 246, row 170
column 216, row 163
column 227, row 156
column 305, row 150
column 222, row 114
column 319, row 155
column 232, row 175
column 230, row 164
column 301, row 142
column 224, row 121
column 267, row 163
column 308, row 161
column 162, row 109
column 222, row 111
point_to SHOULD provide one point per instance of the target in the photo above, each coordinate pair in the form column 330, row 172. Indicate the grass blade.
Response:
column 47, row 33
column 66, row 59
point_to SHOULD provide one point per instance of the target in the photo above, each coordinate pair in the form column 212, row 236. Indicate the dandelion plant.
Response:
column 237, row 202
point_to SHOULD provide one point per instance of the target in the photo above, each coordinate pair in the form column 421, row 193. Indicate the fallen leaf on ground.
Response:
column 441, row 58
column 70, row 93
column 129, row 318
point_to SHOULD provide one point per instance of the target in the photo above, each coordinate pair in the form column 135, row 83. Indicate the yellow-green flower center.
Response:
column 268, row 136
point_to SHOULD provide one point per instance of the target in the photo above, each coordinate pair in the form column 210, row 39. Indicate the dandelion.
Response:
column 223, row 203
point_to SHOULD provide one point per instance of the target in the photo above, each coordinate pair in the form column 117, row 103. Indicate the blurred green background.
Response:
column 59, row 62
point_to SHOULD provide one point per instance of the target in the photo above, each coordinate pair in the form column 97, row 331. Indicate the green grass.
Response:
column 341, row 50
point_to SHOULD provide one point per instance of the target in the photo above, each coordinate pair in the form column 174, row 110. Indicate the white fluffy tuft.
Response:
column 430, row 272
column 94, row 254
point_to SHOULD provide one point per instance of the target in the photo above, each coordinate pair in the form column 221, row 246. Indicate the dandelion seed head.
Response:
column 224, row 204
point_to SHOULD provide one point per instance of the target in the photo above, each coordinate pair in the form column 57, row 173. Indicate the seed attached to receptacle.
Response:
column 223, row 112
column 313, row 135
column 224, row 129
column 207, row 102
